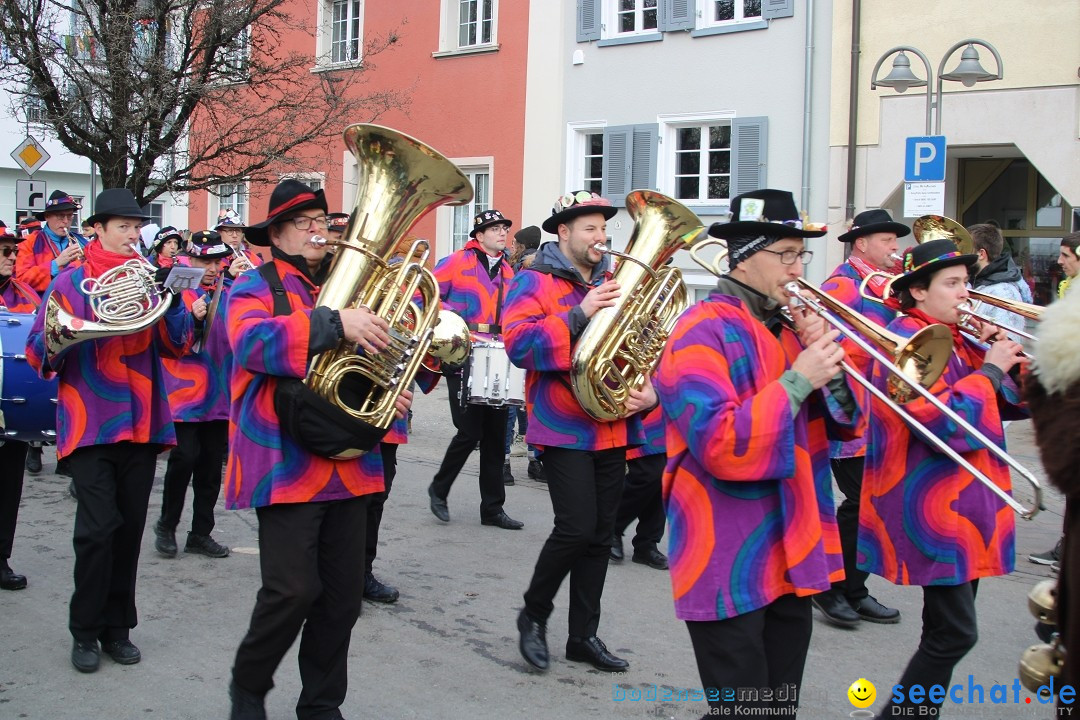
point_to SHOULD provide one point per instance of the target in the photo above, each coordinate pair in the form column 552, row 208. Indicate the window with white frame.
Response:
column 476, row 22
column 701, row 160
column 630, row 17
column 723, row 12
column 312, row 180
column 232, row 196
column 585, row 165
column 345, row 30
column 232, row 58
column 156, row 211
column 464, row 214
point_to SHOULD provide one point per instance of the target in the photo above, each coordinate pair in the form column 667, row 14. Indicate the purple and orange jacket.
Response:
column 266, row 466
column 537, row 331
column 198, row 382
column 34, row 263
column 747, row 485
column 843, row 285
column 652, row 425
column 112, row 389
column 922, row 519
column 467, row 288
column 18, row 297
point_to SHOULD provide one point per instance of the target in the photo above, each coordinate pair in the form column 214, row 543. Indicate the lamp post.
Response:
column 968, row 72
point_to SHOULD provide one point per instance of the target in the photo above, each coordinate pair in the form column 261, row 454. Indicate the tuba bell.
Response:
column 401, row 179
column 621, row 345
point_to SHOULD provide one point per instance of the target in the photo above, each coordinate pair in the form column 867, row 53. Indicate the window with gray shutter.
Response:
column 676, row 15
column 629, row 160
column 749, row 142
column 643, row 164
column 777, row 8
column 588, row 20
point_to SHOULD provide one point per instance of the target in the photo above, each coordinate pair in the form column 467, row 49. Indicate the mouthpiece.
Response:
column 318, row 241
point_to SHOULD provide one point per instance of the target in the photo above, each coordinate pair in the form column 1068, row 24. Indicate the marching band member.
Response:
column 312, row 510
column 872, row 239
column 472, row 283
column 53, row 247
column 166, row 247
column 924, row 520
column 20, row 298
column 112, row 421
column 547, row 309
column 747, row 489
column 198, row 385
column 231, row 229
column 642, row 498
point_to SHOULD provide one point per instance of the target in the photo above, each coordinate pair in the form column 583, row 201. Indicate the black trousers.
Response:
column 585, row 489
column 475, row 424
column 849, row 473
column 12, row 468
column 113, row 485
column 311, row 579
column 643, row 500
column 950, row 629
column 375, row 505
column 765, row 648
column 197, row 457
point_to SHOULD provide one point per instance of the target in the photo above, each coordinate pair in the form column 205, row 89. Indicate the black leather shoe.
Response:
column 205, row 545
column 834, row 606
column 376, row 591
column 504, row 521
column 86, row 656
column 10, row 580
column 245, row 705
column 164, row 540
column 33, row 459
column 532, row 641
column 593, row 651
column 123, row 652
column 438, row 505
column 616, row 553
column 508, row 475
column 536, row 471
column 651, row 557
column 870, row 609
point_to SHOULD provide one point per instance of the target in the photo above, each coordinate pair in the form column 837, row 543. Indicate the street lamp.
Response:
column 968, row 72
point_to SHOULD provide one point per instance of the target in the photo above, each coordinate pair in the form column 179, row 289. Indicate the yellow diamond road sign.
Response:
column 30, row 155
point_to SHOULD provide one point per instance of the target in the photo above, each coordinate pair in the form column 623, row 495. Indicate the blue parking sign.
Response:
column 924, row 159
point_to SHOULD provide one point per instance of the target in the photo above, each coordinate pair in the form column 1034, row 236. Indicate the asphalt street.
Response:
column 448, row 647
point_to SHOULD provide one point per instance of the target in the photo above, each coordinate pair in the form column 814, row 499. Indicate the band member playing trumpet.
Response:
column 53, row 247
column 112, row 421
column 872, row 239
column 198, row 386
column 548, row 307
column 751, row 404
column 20, row 298
column 231, row 228
column 472, row 283
column 923, row 519
column 312, row 510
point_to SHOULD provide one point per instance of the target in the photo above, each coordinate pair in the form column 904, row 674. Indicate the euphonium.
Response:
column 126, row 299
column 400, row 180
column 621, row 345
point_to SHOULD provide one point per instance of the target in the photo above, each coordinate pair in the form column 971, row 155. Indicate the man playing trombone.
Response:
column 750, row 403
column 924, row 520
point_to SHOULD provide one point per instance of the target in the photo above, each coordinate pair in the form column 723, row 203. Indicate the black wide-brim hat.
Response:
column 288, row 197
column 207, row 245
column 575, row 204
column 873, row 221
column 58, row 202
column 166, row 233
column 115, row 202
column 486, row 218
column 766, row 212
column 924, row 260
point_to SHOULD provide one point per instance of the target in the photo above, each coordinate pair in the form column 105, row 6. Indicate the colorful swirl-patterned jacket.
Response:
column 469, row 289
column 18, row 297
column 747, row 485
column 266, row 466
column 198, row 382
column 35, row 264
column 922, row 519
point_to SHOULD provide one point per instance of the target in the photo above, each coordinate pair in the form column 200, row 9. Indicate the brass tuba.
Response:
column 621, row 345
column 401, row 179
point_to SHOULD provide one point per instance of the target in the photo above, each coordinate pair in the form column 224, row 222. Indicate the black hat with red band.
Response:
column 290, row 196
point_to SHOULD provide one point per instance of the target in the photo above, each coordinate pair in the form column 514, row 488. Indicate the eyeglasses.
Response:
column 501, row 229
column 9, row 251
column 303, row 222
column 788, row 257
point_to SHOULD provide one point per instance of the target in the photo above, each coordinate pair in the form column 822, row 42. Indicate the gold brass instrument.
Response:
column 125, row 300
column 401, row 179
column 929, row 353
column 1043, row 661
column 621, row 345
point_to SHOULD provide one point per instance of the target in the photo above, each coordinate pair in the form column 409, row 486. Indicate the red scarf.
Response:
column 965, row 349
column 877, row 283
column 99, row 260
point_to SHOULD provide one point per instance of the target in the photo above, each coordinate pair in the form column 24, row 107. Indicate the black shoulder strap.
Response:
column 281, row 300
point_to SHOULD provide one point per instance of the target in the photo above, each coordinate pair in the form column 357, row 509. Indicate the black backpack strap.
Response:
column 281, row 299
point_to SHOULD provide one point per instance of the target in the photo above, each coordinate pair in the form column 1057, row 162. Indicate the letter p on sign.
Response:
column 924, row 159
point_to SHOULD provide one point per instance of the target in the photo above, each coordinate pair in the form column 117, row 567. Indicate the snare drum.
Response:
column 493, row 379
column 27, row 403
